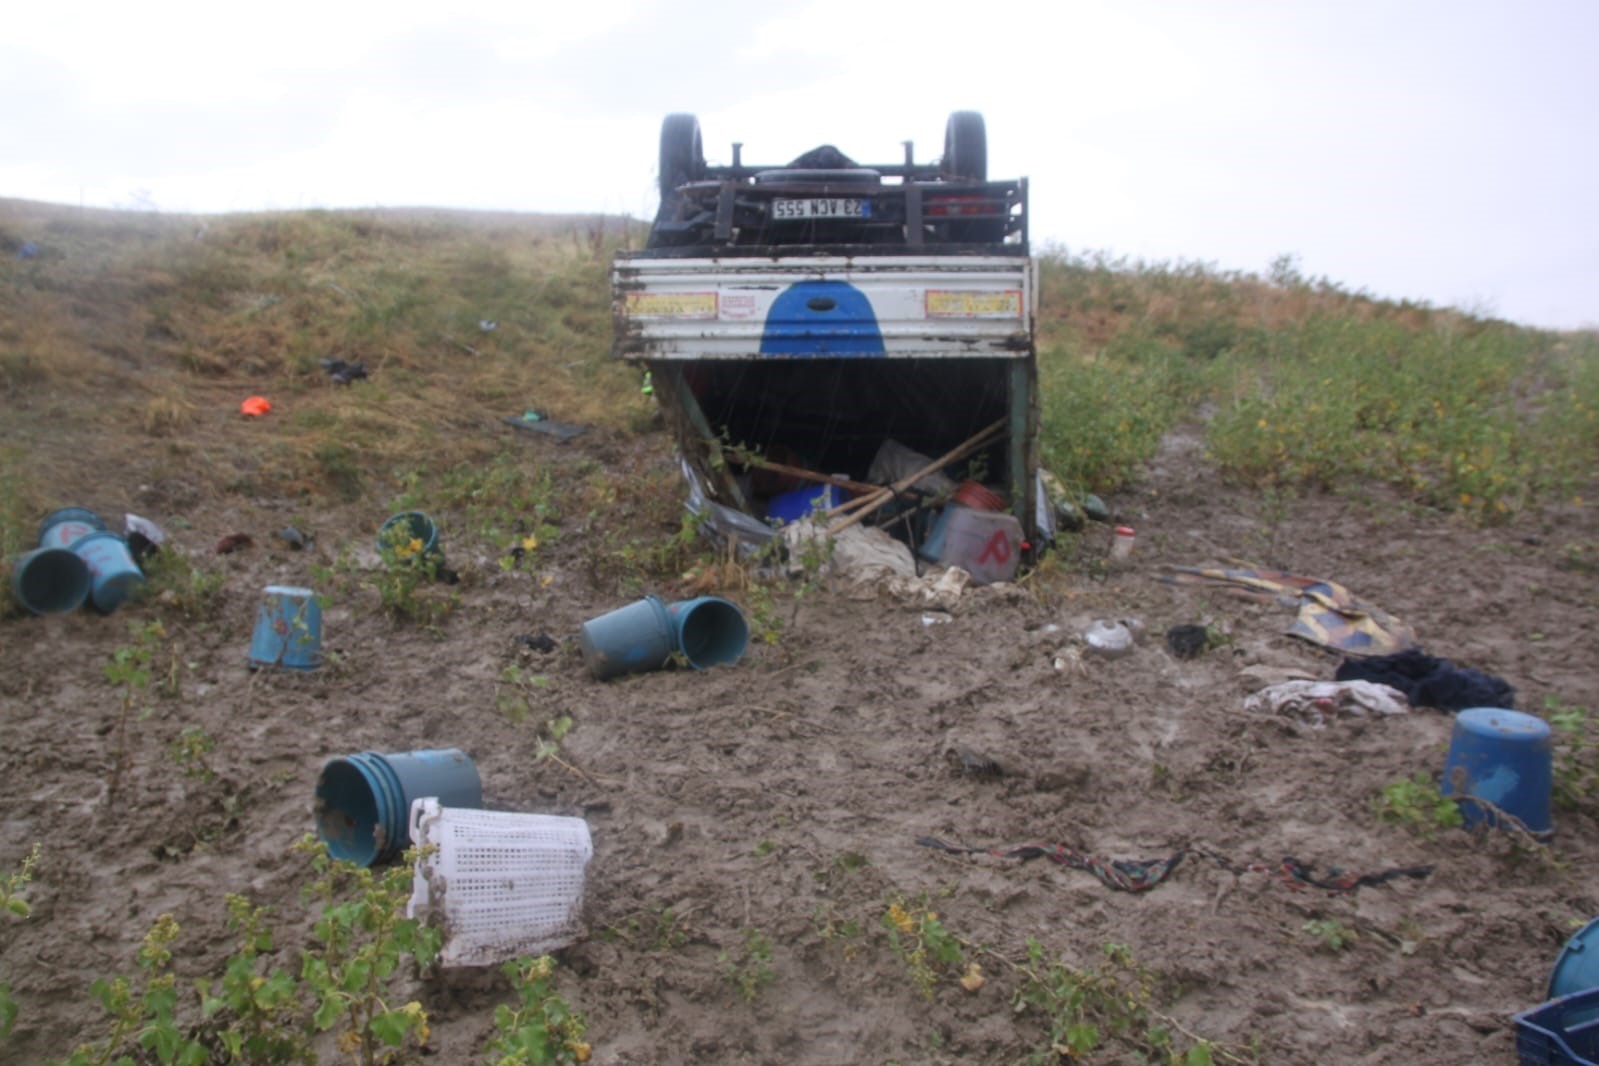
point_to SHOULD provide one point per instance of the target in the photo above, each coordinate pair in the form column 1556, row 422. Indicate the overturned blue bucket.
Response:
column 409, row 535
column 1576, row 969
column 288, row 629
column 1501, row 761
column 629, row 640
column 50, row 580
column 60, row 529
column 114, row 576
column 363, row 801
column 709, row 631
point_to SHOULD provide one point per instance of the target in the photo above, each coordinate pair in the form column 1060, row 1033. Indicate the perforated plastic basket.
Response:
column 500, row 884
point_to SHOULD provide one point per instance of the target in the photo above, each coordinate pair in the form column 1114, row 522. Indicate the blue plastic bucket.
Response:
column 288, row 629
column 1577, row 966
column 933, row 546
column 114, row 576
column 50, row 580
column 1505, row 758
column 709, row 631
column 61, row 528
column 363, row 801
column 628, row 640
column 792, row 506
column 409, row 535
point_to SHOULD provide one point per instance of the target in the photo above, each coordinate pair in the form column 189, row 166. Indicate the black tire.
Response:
column 682, row 152
column 965, row 146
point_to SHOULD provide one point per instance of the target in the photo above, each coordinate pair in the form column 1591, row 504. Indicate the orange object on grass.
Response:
column 255, row 406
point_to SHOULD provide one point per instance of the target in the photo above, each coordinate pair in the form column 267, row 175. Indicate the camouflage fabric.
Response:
column 1329, row 614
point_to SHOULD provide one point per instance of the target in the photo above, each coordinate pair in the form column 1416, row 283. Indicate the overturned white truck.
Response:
column 800, row 322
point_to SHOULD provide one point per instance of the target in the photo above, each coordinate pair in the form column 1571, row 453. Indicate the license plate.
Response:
column 821, row 208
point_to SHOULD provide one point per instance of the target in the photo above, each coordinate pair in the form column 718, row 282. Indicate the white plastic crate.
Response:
column 501, row 884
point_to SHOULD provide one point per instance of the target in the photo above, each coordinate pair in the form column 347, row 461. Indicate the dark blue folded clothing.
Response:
column 1430, row 682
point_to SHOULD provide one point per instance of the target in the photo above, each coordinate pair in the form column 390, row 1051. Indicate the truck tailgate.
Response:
column 889, row 306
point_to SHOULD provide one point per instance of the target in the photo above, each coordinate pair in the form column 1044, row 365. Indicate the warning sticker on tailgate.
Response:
column 671, row 304
column 955, row 303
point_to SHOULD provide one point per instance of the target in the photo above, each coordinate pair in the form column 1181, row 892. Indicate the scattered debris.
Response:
column 1329, row 614
column 1069, row 661
column 1430, row 682
column 1188, row 641
column 232, row 542
column 1111, row 640
column 343, row 373
column 972, row 763
column 294, row 538
column 1134, row 875
column 141, row 548
column 255, row 406
column 144, row 538
column 537, row 422
column 1313, row 702
column 541, row 643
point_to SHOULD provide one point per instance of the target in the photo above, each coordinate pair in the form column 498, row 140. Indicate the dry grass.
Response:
column 163, row 324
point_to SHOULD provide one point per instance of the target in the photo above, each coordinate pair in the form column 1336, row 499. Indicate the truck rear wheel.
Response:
column 966, row 146
column 682, row 152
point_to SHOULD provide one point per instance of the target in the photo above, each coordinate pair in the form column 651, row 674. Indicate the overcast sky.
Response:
column 1435, row 151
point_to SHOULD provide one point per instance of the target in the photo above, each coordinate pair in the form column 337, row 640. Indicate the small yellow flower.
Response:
column 530, row 542
column 579, row 1049
column 900, row 918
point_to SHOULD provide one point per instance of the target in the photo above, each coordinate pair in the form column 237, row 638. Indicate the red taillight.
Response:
column 962, row 206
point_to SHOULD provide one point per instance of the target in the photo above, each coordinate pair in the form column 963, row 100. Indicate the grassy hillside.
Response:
column 170, row 321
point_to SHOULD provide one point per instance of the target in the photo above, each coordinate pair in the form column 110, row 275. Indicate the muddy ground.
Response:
column 786, row 794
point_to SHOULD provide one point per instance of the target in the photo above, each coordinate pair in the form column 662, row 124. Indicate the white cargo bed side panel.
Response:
column 823, row 307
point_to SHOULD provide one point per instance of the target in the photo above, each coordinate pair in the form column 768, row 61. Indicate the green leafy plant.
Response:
column 659, row 930
column 254, row 1010
column 542, row 1028
column 927, row 949
column 748, row 968
column 1334, row 935
column 12, row 903
column 407, row 583
column 549, row 746
column 360, row 937
column 833, row 929
column 191, row 752
column 766, row 625
column 1576, row 769
column 143, row 1011
column 513, row 695
column 175, row 584
column 129, row 670
column 1113, row 1004
column 1416, row 804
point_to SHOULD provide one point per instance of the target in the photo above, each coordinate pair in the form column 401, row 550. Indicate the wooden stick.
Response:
column 800, row 472
column 878, row 499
